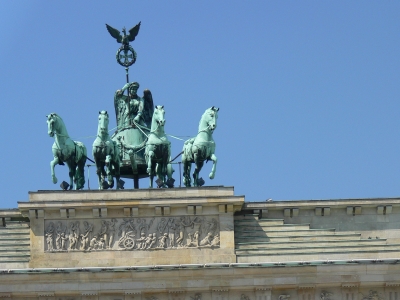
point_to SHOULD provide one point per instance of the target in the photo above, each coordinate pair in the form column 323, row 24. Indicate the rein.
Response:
column 205, row 130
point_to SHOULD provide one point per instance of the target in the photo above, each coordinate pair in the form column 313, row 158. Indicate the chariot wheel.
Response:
column 129, row 243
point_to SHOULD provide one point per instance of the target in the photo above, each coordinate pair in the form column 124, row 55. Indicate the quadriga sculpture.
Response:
column 200, row 148
column 106, row 154
column 158, row 148
column 66, row 150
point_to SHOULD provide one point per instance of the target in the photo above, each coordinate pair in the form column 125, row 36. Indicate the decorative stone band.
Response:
column 389, row 261
column 133, row 233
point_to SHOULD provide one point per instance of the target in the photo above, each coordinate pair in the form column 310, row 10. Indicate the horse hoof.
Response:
column 55, row 180
column 211, row 176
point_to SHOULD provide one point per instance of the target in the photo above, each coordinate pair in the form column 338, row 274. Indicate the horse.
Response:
column 200, row 148
column 106, row 154
column 66, row 150
column 158, row 149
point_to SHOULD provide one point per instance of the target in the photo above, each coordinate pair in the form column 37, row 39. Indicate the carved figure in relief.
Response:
column 49, row 236
column 189, row 239
column 85, row 238
column 325, row 295
column 194, row 239
column 71, row 237
column 58, row 241
column 153, row 240
column 49, row 241
column 128, row 225
column 93, row 243
column 63, row 239
column 215, row 241
column 147, row 241
column 207, row 240
column 171, row 233
column 183, row 223
column 103, row 230
column 162, row 225
column 244, row 297
column 77, row 233
column 196, row 296
column 372, row 295
column 140, row 241
column 111, row 230
column 162, row 240
column 101, row 244
column 59, row 230
column 143, row 227
column 212, row 226
column 284, row 297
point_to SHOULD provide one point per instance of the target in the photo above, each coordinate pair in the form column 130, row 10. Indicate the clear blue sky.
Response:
column 308, row 90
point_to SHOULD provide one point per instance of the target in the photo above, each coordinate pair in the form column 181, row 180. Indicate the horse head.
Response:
column 102, row 129
column 209, row 120
column 52, row 124
column 158, row 115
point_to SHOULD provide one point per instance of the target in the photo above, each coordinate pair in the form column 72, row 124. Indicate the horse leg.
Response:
column 108, row 171
column 98, row 172
column 116, row 172
column 214, row 167
column 186, row 170
column 170, row 171
column 150, row 167
column 187, row 167
column 52, row 164
column 199, row 164
column 99, row 166
column 80, row 174
column 161, row 173
column 72, row 170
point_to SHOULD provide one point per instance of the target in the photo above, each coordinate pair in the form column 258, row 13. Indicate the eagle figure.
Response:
column 124, row 39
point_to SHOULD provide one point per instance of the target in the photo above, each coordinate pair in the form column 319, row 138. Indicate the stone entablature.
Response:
column 110, row 228
column 367, row 280
column 117, row 245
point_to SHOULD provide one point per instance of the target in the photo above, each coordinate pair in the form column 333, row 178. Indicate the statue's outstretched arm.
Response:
column 125, row 87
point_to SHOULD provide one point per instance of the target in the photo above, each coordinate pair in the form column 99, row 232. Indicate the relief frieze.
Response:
column 134, row 234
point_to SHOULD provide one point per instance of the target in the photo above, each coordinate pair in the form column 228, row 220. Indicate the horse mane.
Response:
column 59, row 119
column 207, row 111
column 58, row 116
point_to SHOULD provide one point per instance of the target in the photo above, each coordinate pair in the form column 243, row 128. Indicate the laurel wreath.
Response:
column 127, row 64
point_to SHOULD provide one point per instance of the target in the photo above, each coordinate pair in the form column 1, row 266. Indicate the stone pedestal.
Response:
column 131, row 228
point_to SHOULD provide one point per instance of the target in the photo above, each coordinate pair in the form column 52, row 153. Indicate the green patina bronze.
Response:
column 201, row 148
column 134, row 116
column 106, row 154
column 131, row 108
column 157, row 150
column 126, row 55
column 66, row 150
column 139, row 147
column 133, row 113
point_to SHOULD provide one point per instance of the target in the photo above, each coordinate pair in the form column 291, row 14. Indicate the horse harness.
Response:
column 61, row 157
